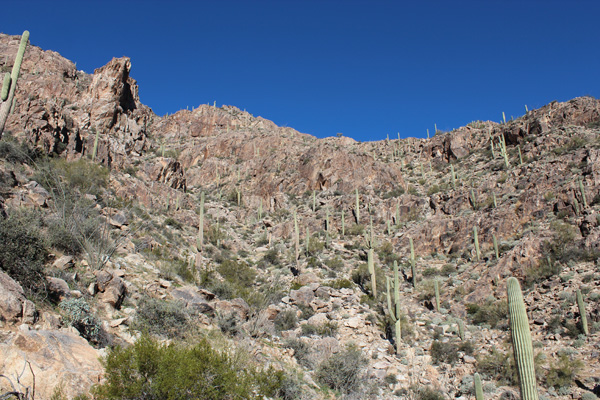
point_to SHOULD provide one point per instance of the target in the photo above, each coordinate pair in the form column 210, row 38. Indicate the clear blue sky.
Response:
column 362, row 68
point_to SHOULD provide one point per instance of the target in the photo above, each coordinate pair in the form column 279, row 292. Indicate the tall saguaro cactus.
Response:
column 394, row 307
column 10, row 86
column 296, row 240
column 521, row 339
column 357, row 212
column 476, row 240
column 413, row 266
column 200, row 237
column 581, row 305
column 478, row 387
column 371, row 266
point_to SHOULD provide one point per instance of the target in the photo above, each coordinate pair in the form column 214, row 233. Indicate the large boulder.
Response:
column 55, row 358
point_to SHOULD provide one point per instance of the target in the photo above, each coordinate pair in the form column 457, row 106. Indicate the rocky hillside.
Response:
column 214, row 225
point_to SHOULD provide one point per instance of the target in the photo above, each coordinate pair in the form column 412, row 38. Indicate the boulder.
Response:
column 111, row 288
column 55, row 357
column 12, row 300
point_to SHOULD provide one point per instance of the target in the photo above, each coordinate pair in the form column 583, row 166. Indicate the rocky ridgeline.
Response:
column 541, row 211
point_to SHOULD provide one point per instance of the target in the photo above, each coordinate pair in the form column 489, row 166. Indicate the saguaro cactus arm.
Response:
column 6, row 86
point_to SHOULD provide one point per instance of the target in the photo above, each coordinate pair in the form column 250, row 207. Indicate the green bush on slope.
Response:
column 149, row 370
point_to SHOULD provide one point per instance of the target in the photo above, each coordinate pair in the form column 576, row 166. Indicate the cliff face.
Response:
column 540, row 204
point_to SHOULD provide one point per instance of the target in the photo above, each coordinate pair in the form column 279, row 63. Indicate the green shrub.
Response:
column 77, row 313
column 302, row 351
column 14, row 152
column 229, row 323
column 272, row 257
column 343, row 370
column 429, row 393
column 444, row 352
column 362, row 278
column 355, row 230
column 490, row 312
column 562, row 374
column 172, row 222
column 335, row 263
column 61, row 176
column 286, row 320
column 162, row 317
column 23, row 251
column 237, row 273
column 149, row 370
column 341, row 283
column 498, row 366
column 394, row 193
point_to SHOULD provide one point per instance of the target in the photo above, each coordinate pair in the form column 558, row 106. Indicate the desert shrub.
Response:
column 315, row 246
column 272, row 257
column 355, row 230
column 229, row 323
column 306, row 311
column 490, row 312
column 544, row 270
column 82, row 176
column 394, row 193
column 77, row 313
column 563, row 246
column 214, row 235
column 286, row 320
column 341, row 283
column 498, row 366
column 23, row 251
column 172, row 222
column 444, row 352
column 302, row 351
column 343, row 370
column 308, row 329
column 562, row 374
column 362, row 278
column 429, row 393
column 386, row 254
column 162, row 317
column 335, row 263
column 149, row 370
column 237, row 272
column 14, row 152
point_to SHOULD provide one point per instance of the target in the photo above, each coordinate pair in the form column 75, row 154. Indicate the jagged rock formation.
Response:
column 542, row 211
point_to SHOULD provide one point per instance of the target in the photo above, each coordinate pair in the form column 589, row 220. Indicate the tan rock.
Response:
column 55, row 357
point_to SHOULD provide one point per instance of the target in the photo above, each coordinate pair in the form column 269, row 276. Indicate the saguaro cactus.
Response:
column 581, row 305
column 357, row 211
column 436, row 286
column 200, row 238
column 582, row 189
column 461, row 329
column 11, row 87
column 394, row 308
column 296, row 240
column 478, row 387
column 476, row 240
column 521, row 339
column 371, row 265
column 503, row 151
column 496, row 252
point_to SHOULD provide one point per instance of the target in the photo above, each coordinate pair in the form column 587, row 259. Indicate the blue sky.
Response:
column 362, row 68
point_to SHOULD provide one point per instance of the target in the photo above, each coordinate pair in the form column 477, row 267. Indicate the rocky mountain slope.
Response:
column 121, row 236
